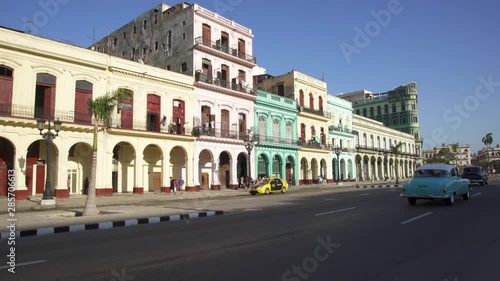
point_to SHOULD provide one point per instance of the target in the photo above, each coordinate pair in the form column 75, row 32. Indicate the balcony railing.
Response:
column 319, row 112
column 199, row 76
column 225, row 49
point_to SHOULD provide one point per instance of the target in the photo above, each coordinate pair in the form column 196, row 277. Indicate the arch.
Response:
column 304, row 172
column 290, row 170
column 36, row 165
column 7, row 156
column 123, row 173
column 262, row 165
column 225, row 169
column 301, row 97
column 206, row 168
column 276, row 169
column 311, row 101
column 79, row 162
column 152, row 168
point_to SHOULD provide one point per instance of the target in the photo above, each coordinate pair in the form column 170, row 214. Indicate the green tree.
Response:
column 396, row 151
column 101, row 109
column 488, row 140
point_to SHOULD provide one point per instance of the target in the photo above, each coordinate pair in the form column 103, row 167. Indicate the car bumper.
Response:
column 420, row 196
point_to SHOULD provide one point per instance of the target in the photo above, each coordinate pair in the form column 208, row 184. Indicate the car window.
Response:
column 435, row 173
column 472, row 170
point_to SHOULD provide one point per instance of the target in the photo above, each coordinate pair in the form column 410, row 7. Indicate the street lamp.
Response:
column 48, row 136
column 250, row 143
column 338, row 150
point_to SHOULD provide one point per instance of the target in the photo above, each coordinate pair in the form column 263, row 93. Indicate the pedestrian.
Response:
column 68, row 183
column 173, row 186
column 180, row 183
column 86, row 186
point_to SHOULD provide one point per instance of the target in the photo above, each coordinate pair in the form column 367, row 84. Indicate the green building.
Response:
column 397, row 109
column 276, row 130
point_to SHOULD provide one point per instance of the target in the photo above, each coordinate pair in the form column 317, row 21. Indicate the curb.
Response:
column 379, row 186
column 105, row 225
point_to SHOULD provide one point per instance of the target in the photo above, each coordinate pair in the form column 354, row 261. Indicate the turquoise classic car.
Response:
column 436, row 181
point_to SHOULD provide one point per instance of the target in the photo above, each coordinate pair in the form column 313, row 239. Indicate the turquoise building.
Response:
column 276, row 153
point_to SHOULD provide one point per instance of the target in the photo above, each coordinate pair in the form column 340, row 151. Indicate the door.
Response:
column 40, row 179
column 3, row 179
column 276, row 185
column 204, row 180
column 157, row 181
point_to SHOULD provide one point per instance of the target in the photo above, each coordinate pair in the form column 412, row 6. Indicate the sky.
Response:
column 450, row 48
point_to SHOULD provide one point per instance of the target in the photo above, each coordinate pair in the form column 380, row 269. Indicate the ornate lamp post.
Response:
column 338, row 150
column 250, row 143
column 48, row 136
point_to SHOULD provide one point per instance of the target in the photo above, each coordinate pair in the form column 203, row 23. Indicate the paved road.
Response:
column 359, row 235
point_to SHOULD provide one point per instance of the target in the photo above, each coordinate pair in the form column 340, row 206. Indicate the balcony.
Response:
column 201, row 77
column 264, row 139
column 226, row 50
column 318, row 112
column 333, row 129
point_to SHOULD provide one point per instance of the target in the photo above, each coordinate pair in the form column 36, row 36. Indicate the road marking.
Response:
column 24, row 263
column 479, row 193
column 248, row 199
column 329, row 199
column 364, row 194
column 336, row 211
column 416, row 218
column 252, row 209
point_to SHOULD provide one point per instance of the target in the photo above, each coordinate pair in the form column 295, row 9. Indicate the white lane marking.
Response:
column 248, row 199
column 364, row 194
column 24, row 263
column 479, row 193
column 336, row 211
column 293, row 194
column 329, row 199
column 252, row 209
column 416, row 218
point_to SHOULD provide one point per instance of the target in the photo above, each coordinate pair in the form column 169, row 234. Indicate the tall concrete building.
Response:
column 396, row 109
column 461, row 153
column 217, row 52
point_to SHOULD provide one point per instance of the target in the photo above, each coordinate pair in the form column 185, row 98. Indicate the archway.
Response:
column 6, row 164
column 79, row 162
column 178, row 163
column 123, row 176
column 262, row 166
column 36, row 159
column 276, row 168
column 206, row 169
column 225, row 170
column 314, row 169
column 304, row 168
column 153, row 156
column 290, row 170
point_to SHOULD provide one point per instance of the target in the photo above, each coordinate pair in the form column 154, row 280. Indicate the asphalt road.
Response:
column 369, row 234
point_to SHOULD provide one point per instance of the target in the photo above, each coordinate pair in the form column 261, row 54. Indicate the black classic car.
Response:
column 475, row 174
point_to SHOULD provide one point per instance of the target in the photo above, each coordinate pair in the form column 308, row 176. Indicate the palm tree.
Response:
column 454, row 150
column 395, row 150
column 101, row 109
column 488, row 140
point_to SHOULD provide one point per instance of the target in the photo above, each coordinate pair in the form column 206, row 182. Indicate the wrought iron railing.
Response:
column 225, row 49
column 199, row 76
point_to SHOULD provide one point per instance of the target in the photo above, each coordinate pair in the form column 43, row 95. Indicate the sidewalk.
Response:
column 121, row 210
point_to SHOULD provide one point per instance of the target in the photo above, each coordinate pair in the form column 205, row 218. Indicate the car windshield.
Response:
column 472, row 170
column 435, row 173
column 262, row 182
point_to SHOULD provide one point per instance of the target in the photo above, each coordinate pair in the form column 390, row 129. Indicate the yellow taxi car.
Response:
column 269, row 185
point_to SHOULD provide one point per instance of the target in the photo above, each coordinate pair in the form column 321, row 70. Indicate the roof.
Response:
column 445, row 167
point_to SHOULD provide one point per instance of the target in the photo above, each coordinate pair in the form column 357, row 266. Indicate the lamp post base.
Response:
column 48, row 202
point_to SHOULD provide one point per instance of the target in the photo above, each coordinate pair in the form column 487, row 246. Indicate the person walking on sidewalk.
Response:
column 180, row 183
column 173, row 186
column 68, row 183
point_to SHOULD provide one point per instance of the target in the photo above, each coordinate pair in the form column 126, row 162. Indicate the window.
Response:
column 371, row 112
column 124, row 35
column 145, row 24
column 135, row 29
column 184, row 67
column 156, row 18
column 156, row 46
column 133, row 54
column 403, row 106
column 281, row 89
column 393, row 108
column 386, row 109
column 143, row 52
column 183, row 23
column 168, row 67
column 115, row 41
column 364, row 112
column 123, row 54
column 415, row 119
column 183, row 36
column 379, row 110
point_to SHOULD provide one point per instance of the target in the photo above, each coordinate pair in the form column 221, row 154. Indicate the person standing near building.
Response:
column 68, row 183
column 180, row 183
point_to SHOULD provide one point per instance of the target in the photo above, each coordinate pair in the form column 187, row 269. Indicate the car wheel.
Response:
column 253, row 193
column 267, row 191
column 486, row 182
column 466, row 196
column 482, row 182
column 412, row 201
column 450, row 201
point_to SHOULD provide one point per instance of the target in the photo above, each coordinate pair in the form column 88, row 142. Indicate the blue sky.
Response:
column 450, row 48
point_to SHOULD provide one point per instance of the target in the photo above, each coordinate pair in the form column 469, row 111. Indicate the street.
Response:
column 357, row 235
